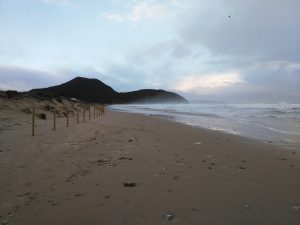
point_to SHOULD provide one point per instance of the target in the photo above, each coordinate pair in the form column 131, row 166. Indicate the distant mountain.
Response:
column 95, row 91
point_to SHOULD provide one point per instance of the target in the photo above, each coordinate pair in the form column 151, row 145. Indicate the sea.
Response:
column 277, row 124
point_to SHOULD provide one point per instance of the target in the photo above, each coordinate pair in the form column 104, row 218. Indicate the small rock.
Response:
column 42, row 116
column 78, row 195
column 247, row 206
column 130, row 140
column 297, row 207
column 128, row 158
column 240, row 168
column 169, row 217
column 129, row 184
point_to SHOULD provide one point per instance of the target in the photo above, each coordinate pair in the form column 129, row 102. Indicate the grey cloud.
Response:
column 267, row 30
column 23, row 79
column 166, row 49
column 263, row 84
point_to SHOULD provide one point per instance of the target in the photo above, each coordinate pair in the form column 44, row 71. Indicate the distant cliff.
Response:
column 95, row 91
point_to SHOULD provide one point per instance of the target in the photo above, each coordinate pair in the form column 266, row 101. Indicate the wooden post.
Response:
column 77, row 116
column 102, row 110
column 67, row 119
column 54, row 120
column 89, row 113
column 33, row 119
column 94, row 112
column 83, row 114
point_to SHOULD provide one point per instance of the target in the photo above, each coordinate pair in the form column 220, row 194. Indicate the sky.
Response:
column 234, row 51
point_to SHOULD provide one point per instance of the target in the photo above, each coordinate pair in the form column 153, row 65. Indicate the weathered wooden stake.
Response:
column 94, row 112
column 77, row 116
column 54, row 121
column 89, row 113
column 33, row 119
column 67, row 119
column 83, row 114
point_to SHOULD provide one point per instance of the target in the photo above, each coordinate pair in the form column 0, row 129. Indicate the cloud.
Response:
column 60, row 2
column 205, row 83
column 260, row 30
column 262, row 82
column 23, row 79
column 141, row 11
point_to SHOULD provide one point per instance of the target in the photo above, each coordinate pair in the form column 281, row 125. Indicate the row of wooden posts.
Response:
column 98, row 111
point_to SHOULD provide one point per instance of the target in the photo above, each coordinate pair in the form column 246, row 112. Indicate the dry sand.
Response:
column 75, row 175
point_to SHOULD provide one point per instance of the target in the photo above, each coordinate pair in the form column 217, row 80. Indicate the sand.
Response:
column 75, row 175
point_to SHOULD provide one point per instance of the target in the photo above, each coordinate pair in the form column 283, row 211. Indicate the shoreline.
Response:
column 200, row 176
column 279, row 141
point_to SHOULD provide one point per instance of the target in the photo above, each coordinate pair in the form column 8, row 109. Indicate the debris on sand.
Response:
column 169, row 217
column 42, row 116
column 25, row 194
column 101, row 162
column 128, row 158
column 296, row 207
column 247, row 206
column 129, row 184
column 241, row 168
column 198, row 143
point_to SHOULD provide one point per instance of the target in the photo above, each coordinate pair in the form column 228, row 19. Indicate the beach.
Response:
column 175, row 174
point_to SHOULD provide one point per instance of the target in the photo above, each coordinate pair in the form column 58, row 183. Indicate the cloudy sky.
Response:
column 233, row 50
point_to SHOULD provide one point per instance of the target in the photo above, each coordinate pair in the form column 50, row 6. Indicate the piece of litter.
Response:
column 169, row 217
column 129, row 184
column 197, row 143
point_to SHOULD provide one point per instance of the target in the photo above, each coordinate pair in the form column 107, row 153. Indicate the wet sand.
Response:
column 76, row 174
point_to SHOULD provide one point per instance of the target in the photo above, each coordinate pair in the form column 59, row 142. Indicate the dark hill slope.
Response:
column 151, row 96
column 88, row 90
column 93, row 90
